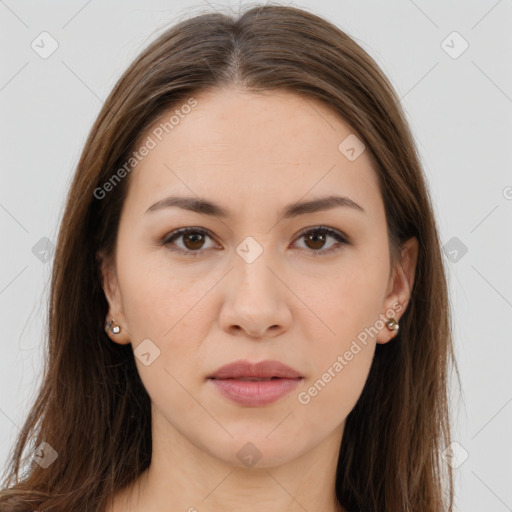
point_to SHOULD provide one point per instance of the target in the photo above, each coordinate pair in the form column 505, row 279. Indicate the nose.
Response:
column 256, row 300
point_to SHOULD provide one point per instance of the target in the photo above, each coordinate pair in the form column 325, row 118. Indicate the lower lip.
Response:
column 255, row 393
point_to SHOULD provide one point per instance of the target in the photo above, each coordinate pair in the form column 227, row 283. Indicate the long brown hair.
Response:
column 92, row 408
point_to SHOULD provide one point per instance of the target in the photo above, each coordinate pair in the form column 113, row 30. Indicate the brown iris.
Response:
column 316, row 238
column 196, row 240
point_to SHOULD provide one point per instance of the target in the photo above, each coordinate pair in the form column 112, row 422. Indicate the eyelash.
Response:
column 342, row 240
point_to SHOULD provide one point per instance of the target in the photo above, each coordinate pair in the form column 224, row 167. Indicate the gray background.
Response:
column 460, row 110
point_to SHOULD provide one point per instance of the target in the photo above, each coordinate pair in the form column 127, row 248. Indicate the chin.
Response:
column 258, row 448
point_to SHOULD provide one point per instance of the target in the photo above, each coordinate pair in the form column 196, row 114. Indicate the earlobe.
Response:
column 389, row 331
column 115, row 325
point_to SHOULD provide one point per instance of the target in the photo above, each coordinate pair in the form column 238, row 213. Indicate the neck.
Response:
column 185, row 477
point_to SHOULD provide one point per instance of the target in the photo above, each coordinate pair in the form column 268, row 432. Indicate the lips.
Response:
column 265, row 370
column 255, row 385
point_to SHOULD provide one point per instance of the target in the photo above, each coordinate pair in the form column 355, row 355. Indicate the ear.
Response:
column 110, row 285
column 400, row 287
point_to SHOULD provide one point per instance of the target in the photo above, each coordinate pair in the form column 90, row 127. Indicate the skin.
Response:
column 253, row 154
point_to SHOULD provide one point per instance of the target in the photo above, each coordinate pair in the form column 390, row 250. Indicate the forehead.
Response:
column 242, row 148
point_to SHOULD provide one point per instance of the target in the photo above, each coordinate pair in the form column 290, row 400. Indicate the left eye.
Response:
column 193, row 240
column 318, row 236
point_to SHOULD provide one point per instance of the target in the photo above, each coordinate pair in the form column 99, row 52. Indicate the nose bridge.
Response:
column 256, row 300
column 253, row 259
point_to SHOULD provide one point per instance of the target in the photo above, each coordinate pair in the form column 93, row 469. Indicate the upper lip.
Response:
column 263, row 369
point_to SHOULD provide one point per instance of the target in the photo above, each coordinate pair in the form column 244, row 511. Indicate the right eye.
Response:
column 193, row 240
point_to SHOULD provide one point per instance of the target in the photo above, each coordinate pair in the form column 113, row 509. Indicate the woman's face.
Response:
column 260, row 282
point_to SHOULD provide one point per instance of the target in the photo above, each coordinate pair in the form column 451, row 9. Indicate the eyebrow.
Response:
column 206, row 207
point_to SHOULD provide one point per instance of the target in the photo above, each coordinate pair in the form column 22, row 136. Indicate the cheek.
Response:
column 328, row 399
column 347, row 303
column 342, row 359
column 168, row 311
column 342, row 355
column 160, row 300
